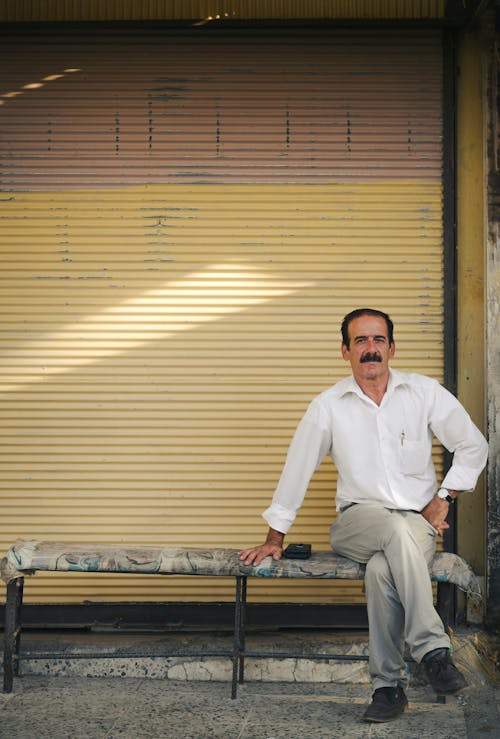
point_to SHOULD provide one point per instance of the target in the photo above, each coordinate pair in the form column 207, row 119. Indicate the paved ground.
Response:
column 134, row 708
column 67, row 699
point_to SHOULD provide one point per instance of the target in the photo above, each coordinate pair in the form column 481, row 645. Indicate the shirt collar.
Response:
column 395, row 379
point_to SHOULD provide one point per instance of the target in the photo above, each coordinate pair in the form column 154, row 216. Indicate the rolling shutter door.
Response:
column 185, row 220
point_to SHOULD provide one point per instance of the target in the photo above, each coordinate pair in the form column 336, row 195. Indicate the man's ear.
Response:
column 392, row 349
column 345, row 352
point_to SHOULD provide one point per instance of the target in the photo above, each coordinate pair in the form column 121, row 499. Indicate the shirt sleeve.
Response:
column 454, row 428
column 310, row 444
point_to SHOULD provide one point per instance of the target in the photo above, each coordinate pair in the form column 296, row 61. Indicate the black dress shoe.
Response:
column 387, row 704
column 442, row 673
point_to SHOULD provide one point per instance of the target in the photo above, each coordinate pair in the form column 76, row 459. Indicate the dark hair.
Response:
column 365, row 312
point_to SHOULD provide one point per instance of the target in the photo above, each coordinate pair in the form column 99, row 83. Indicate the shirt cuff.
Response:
column 459, row 479
column 278, row 517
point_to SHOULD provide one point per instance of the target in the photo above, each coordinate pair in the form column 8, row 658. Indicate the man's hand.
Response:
column 436, row 511
column 273, row 546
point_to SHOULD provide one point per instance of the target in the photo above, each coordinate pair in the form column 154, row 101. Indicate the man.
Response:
column 378, row 426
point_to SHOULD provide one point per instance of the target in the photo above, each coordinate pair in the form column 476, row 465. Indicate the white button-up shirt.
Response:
column 383, row 453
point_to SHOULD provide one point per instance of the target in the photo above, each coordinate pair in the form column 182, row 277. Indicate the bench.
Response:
column 28, row 557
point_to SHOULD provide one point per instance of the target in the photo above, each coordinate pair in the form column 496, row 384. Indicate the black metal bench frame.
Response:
column 13, row 627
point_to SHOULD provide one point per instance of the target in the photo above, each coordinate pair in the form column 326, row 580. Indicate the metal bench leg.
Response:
column 241, row 676
column 12, row 633
column 446, row 608
column 237, row 644
column 446, row 604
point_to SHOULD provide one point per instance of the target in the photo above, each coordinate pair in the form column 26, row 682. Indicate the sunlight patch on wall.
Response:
column 180, row 305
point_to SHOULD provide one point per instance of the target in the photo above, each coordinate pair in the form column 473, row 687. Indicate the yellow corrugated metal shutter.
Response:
column 185, row 219
column 205, row 11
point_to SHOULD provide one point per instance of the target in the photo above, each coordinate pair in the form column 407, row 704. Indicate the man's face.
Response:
column 369, row 349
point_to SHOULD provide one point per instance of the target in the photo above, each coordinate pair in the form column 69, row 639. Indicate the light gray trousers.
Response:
column 397, row 547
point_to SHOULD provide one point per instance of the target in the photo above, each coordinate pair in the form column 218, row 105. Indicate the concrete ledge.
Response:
column 167, row 656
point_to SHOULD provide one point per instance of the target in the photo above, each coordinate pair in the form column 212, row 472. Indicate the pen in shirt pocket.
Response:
column 402, row 437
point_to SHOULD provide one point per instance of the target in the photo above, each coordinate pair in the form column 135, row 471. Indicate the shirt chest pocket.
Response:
column 414, row 457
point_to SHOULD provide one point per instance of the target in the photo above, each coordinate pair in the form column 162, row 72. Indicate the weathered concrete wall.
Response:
column 493, row 337
column 493, row 514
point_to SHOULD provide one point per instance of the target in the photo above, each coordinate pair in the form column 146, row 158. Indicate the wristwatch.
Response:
column 444, row 495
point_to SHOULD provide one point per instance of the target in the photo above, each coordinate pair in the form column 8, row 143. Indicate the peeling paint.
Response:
column 94, row 277
column 52, row 277
column 165, row 259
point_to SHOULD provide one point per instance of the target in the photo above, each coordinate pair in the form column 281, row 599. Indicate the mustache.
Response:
column 371, row 357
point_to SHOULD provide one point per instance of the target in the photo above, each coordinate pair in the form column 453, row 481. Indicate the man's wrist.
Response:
column 275, row 537
column 444, row 494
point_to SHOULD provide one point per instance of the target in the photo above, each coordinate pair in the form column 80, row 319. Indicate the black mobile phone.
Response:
column 297, row 551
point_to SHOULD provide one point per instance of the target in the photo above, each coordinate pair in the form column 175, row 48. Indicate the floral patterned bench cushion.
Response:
column 28, row 557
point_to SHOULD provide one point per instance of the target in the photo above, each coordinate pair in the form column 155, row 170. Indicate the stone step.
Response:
column 176, row 655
